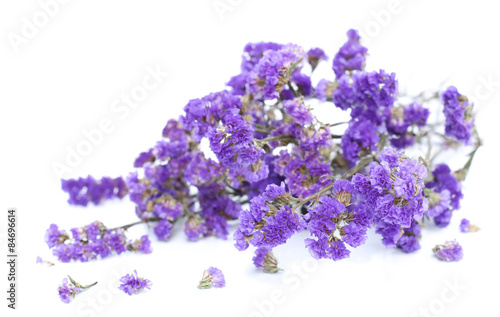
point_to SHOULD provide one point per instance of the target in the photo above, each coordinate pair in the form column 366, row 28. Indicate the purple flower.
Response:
column 84, row 190
column 95, row 240
column 264, row 259
column 409, row 241
column 445, row 193
column 69, row 289
column 374, row 94
column 267, row 223
column 342, row 191
column 325, row 90
column 459, row 118
column 314, row 56
column 351, row 55
column 163, row 230
column 355, row 234
column 233, row 145
column 132, row 284
column 303, row 83
column 54, row 236
column 142, row 245
column 194, row 228
column 332, row 225
column 466, row 226
column 393, row 192
column 449, row 251
column 404, row 119
column 273, row 71
column 298, row 111
column 144, row 158
column 360, row 137
column 212, row 277
column 274, row 191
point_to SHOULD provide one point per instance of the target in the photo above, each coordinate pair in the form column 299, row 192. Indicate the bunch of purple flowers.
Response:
column 279, row 170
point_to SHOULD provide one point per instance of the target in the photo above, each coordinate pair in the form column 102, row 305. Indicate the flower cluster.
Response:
column 449, row 251
column 393, row 194
column 84, row 190
column 212, row 277
column 69, row 289
column 334, row 221
column 458, row 112
column 133, row 284
column 270, row 221
column 278, row 169
column 445, row 193
column 264, row 259
column 92, row 241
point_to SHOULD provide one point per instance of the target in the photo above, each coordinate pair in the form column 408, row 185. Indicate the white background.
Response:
column 65, row 78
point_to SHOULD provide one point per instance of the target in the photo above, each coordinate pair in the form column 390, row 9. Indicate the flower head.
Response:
column 459, row 118
column 69, row 289
column 264, row 259
column 466, row 226
column 449, row 251
column 132, row 284
column 212, row 277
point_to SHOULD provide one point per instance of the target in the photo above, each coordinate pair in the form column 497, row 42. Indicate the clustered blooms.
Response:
column 132, row 284
column 458, row 112
column 212, row 277
column 280, row 170
column 264, row 259
column 91, row 241
column 69, row 289
column 444, row 192
column 449, row 251
column 334, row 222
column 84, row 190
column 392, row 194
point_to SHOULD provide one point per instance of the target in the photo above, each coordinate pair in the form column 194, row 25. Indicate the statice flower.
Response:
column 84, row 190
column 459, row 118
column 360, row 138
column 280, row 170
column 298, row 111
column 93, row 241
column 316, row 55
column 54, row 236
column 325, row 89
column 466, row 226
column 402, row 121
column 133, row 284
column 233, row 145
column 445, row 193
column 264, row 259
column 449, row 251
column 409, row 241
column 204, row 114
column 142, row 245
column 273, row 71
column 374, row 93
column 333, row 225
column 212, row 277
column 351, row 56
column 305, row 172
column 69, row 289
column 269, row 222
column 393, row 190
